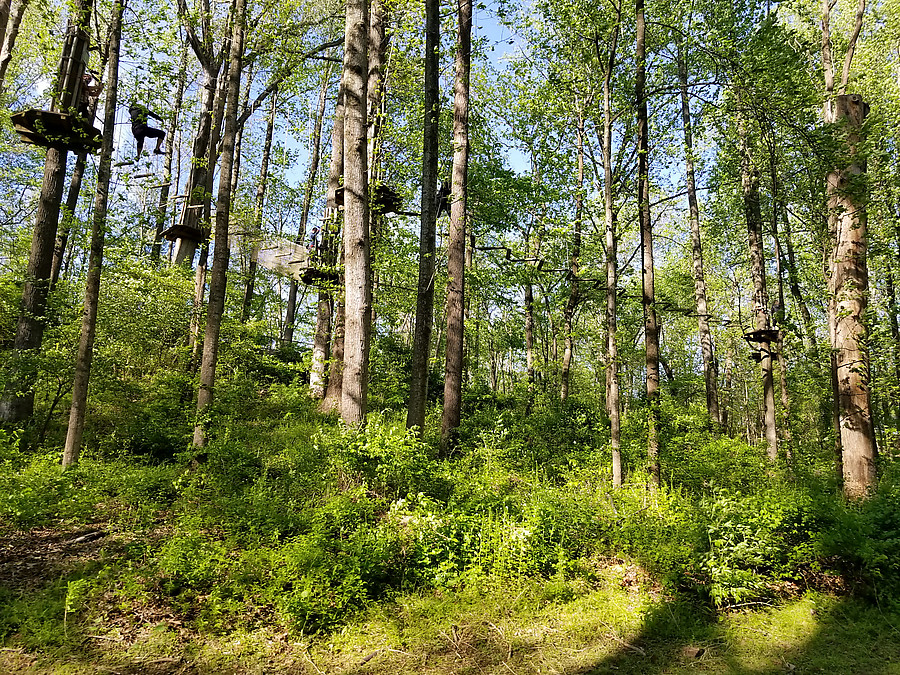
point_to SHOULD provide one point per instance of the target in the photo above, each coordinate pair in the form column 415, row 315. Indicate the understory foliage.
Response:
column 289, row 517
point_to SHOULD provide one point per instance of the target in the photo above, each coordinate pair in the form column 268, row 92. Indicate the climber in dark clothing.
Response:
column 140, row 129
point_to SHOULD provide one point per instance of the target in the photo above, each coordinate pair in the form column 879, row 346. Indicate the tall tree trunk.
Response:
column 68, row 218
column 753, row 216
column 16, row 10
column 418, row 388
column 17, row 402
column 334, row 392
column 710, row 374
column 327, row 307
column 848, row 285
column 239, row 133
column 895, row 352
column 165, row 190
column 260, row 200
column 357, row 272
column 779, row 313
column 197, row 190
column 809, row 331
column 456, row 252
column 291, row 311
column 574, row 262
column 218, row 275
column 85, row 356
column 203, row 221
column 613, row 399
column 379, row 42
column 651, row 326
column 68, row 211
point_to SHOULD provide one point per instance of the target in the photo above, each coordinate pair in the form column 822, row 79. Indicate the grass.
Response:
column 294, row 546
column 611, row 626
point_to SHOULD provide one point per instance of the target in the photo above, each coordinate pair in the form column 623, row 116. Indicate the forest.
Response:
column 484, row 336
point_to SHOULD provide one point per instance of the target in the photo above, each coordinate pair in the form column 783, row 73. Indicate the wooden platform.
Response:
column 762, row 335
column 56, row 130
column 180, row 231
column 291, row 259
column 384, row 199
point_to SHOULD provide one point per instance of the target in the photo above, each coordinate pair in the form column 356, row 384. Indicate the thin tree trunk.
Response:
column 85, row 356
column 17, row 402
column 848, row 285
column 256, row 232
column 357, row 272
column 456, row 253
column 651, row 326
column 753, row 216
column 68, row 218
column 809, row 331
column 218, row 275
column 165, row 190
column 710, row 374
column 418, row 388
column 613, row 397
column 778, row 321
column 68, row 211
column 574, row 262
column 334, row 393
column 327, row 307
column 239, row 133
column 290, row 315
column 895, row 348
column 197, row 190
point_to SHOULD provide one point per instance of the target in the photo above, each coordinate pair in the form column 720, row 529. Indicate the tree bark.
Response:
column 16, row 10
column 259, row 203
column 165, row 190
column 68, row 218
column 291, row 311
column 418, row 388
column 357, row 272
column 848, row 285
column 198, row 193
column 651, row 326
column 574, row 262
column 334, row 392
column 613, row 399
column 202, row 220
column 456, row 253
column 78, row 410
column 710, row 371
column 753, row 217
column 17, row 402
column 218, row 274
column 326, row 308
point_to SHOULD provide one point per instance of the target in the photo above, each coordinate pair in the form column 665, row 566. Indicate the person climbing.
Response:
column 89, row 92
column 140, row 129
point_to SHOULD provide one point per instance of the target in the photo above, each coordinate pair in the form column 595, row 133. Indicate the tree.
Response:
column 710, row 373
column 574, row 261
column 218, row 276
column 456, row 254
column 648, row 300
column 17, row 401
column 418, row 387
column 357, row 274
column 259, row 204
column 95, row 264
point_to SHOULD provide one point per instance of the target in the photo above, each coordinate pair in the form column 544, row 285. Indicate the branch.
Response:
column 196, row 45
column 279, row 78
column 851, row 47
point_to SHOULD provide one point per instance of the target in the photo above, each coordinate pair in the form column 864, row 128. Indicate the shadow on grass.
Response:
column 813, row 634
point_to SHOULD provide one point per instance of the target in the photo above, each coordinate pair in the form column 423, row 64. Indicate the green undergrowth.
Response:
column 290, row 522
